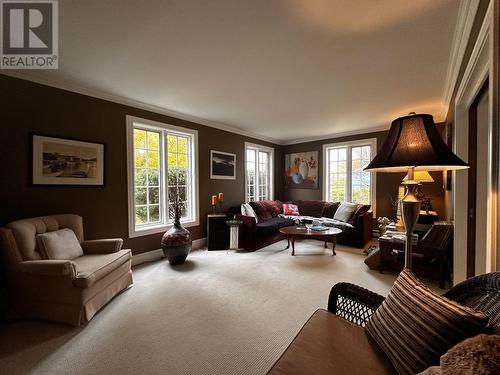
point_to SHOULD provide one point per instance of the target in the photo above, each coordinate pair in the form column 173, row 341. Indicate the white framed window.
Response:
column 162, row 160
column 258, row 172
column 343, row 175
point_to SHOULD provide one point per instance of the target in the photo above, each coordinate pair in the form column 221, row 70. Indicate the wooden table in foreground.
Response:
column 301, row 232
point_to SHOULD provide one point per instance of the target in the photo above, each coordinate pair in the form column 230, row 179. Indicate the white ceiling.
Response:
column 285, row 70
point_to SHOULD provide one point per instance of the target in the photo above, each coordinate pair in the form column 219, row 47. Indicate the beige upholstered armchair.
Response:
column 66, row 290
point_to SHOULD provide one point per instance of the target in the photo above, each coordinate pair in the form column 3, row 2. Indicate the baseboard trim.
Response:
column 151, row 256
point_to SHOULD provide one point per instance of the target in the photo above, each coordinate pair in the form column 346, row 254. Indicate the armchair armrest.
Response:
column 353, row 302
column 105, row 246
column 49, row 267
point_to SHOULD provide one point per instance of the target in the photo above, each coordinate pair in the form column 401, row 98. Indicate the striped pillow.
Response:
column 415, row 326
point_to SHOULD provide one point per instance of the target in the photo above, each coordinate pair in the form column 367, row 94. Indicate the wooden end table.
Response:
column 301, row 232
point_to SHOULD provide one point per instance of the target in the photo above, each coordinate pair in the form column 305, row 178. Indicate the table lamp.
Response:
column 413, row 144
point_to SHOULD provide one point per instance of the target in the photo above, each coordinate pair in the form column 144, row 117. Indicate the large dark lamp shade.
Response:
column 414, row 142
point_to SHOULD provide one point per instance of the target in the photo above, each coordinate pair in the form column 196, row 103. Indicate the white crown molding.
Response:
column 38, row 77
column 336, row 135
column 466, row 13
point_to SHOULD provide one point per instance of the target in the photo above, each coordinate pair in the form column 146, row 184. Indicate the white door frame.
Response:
column 479, row 68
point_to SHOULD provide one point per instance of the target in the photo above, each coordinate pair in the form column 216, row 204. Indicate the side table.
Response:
column 217, row 231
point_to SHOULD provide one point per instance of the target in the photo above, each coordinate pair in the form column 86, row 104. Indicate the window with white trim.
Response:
column 162, row 161
column 344, row 178
column 258, row 172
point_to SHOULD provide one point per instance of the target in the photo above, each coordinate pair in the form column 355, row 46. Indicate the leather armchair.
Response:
column 68, row 291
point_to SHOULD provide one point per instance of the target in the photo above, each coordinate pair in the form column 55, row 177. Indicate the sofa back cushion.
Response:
column 312, row 208
column 414, row 326
column 330, row 209
column 345, row 211
column 59, row 245
column 361, row 210
column 267, row 209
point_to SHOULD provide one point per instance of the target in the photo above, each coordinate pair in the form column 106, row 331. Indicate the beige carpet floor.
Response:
column 221, row 312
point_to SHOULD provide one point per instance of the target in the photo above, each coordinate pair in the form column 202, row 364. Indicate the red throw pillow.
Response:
column 290, row 209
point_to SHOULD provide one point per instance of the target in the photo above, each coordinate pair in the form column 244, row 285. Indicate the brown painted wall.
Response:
column 387, row 183
column 28, row 108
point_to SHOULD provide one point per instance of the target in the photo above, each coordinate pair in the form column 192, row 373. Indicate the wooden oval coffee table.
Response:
column 301, row 232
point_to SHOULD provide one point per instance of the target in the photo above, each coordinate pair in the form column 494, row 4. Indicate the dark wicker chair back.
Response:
column 480, row 293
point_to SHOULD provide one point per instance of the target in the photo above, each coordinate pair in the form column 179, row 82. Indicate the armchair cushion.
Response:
column 415, row 326
column 327, row 344
column 90, row 268
column 59, row 244
column 111, row 245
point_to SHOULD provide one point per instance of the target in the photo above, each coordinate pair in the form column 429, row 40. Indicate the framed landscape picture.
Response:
column 59, row 161
column 302, row 170
column 222, row 165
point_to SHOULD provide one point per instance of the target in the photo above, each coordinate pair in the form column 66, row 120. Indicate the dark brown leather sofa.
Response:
column 256, row 235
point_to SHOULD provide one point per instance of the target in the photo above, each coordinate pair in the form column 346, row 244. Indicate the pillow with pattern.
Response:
column 415, row 327
column 290, row 209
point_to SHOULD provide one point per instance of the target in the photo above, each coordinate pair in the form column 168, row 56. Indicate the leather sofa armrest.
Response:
column 49, row 268
column 247, row 232
column 248, row 221
column 104, row 246
column 364, row 224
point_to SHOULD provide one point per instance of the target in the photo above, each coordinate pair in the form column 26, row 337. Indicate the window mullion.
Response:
column 164, row 173
column 257, row 176
column 349, row 174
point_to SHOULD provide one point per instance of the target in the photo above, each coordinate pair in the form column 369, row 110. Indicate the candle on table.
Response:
column 221, row 197
column 214, row 200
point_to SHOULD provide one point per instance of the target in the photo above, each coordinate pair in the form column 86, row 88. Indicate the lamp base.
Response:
column 410, row 209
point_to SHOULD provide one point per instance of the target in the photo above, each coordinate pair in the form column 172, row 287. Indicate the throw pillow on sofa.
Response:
column 345, row 211
column 260, row 208
column 414, row 326
column 247, row 210
column 290, row 209
column 61, row 244
column 330, row 209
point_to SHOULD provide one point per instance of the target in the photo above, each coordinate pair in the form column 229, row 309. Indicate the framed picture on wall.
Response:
column 61, row 161
column 222, row 165
column 302, row 170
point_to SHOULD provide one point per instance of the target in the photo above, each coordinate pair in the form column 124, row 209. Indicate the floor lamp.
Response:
column 413, row 144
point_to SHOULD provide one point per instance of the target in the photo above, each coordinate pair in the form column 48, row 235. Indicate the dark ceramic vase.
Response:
column 176, row 243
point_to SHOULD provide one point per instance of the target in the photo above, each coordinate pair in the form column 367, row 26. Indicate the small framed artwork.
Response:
column 222, row 165
column 61, row 161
